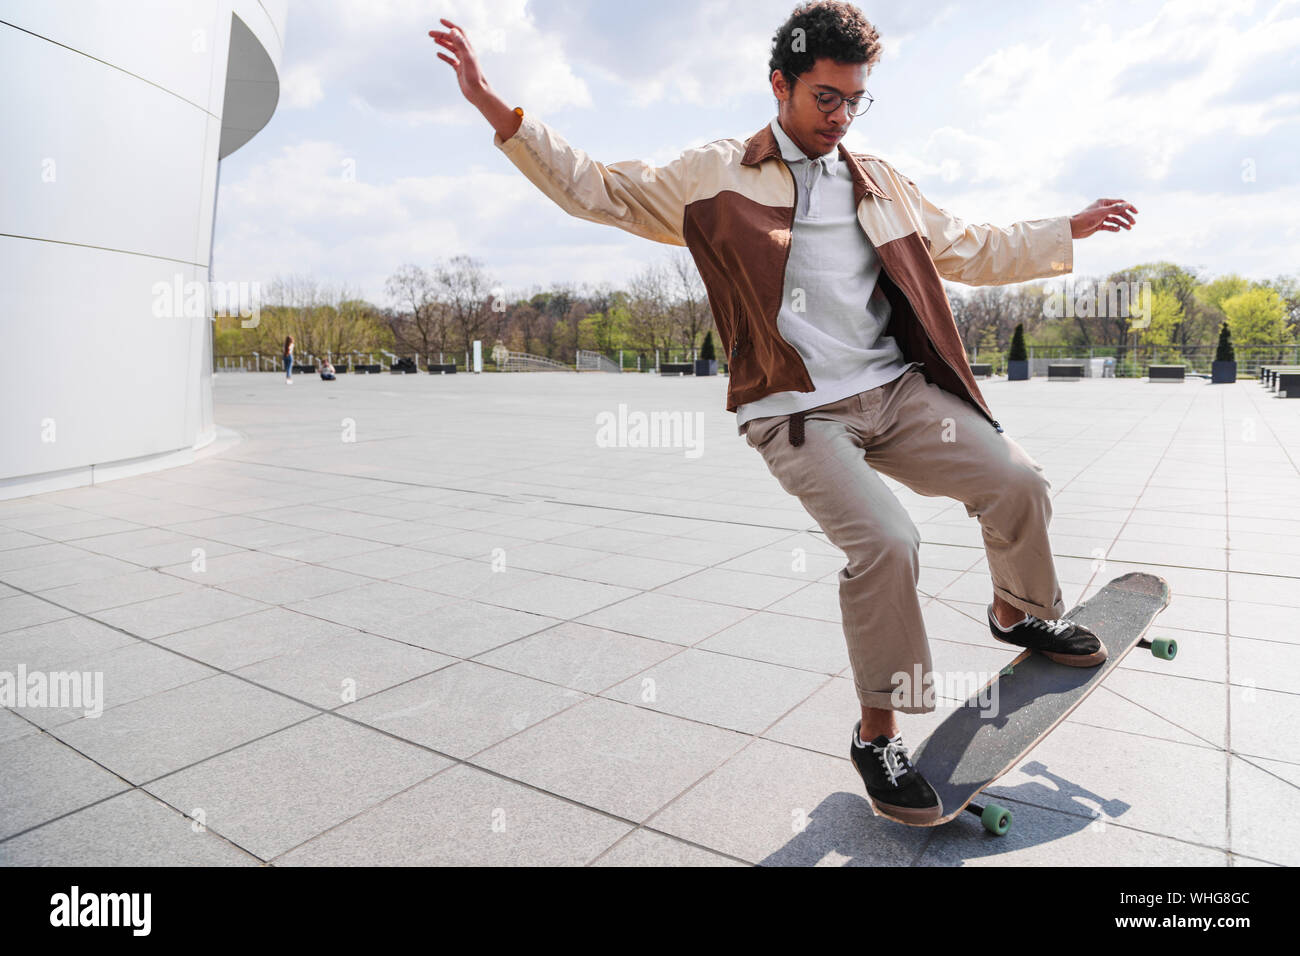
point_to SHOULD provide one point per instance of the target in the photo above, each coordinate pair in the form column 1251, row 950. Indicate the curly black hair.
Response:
column 823, row 28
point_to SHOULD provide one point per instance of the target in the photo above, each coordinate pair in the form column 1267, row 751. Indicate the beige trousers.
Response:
column 937, row 445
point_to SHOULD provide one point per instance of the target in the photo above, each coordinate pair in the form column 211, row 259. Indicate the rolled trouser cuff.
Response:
column 1048, row 612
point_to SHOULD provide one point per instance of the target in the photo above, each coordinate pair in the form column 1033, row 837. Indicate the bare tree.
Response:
column 649, row 309
column 323, row 318
column 465, row 291
column 974, row 311
column 524, row 323
column 420, row 321
column 694, row 317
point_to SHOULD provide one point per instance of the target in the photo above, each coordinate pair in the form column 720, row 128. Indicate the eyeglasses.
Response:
column 830, row 102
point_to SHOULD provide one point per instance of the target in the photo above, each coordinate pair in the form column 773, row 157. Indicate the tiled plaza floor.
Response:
column 417, row 619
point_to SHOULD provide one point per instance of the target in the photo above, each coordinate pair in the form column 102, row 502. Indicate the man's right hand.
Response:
column 472, row 83
column 470, row 77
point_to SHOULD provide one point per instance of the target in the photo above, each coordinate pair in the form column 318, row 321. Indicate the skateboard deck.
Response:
column 971, row 749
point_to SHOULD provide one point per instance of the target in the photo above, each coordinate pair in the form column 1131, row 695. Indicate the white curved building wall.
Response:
column 114, row 116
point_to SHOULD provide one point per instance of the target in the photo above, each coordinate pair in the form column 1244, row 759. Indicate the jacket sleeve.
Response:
column 647, row 201
column 995, row 255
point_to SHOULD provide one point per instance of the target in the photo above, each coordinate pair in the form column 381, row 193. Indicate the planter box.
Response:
column 1018, row 371
column 706, row 366
column 1222, row 373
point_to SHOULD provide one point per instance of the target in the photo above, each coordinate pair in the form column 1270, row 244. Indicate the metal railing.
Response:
column 1132, row 362
column 261, row 362
column 524, row 362
column 595, row 362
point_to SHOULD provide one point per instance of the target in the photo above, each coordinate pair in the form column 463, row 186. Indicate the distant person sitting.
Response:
column 326, row 370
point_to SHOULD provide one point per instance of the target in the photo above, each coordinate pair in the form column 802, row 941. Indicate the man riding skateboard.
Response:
column 823, row 269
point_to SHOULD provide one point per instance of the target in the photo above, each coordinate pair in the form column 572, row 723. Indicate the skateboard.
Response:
column 971, row 749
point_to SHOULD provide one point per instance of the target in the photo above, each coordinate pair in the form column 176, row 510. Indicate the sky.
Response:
column 999, row 110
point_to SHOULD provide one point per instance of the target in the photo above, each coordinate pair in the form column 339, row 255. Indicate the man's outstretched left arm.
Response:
column 998, row 255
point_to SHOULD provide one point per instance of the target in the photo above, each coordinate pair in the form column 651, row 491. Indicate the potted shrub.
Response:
column 1224, row 368
column 706, row 364
column 1017, row 357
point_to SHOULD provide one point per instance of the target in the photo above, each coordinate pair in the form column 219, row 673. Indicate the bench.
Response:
column 676, row 368
column 1065, row 372
column 1288, row 383
column 435, row 369
column 1268, row 374
column 983, row 369
column 303, row 368
column 404, row 366
column 1166, row 373
column 367, row 369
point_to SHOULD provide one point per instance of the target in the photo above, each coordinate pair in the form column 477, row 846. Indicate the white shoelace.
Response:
column 1056, row 628
column 893, row 755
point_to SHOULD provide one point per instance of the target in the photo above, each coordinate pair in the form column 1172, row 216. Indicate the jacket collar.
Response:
column 763, row 145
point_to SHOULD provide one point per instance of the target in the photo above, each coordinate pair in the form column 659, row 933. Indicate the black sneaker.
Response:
column 1063, row 640
column 895, row 787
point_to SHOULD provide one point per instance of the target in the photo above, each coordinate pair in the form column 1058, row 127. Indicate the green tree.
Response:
column 1258, row 317
column 1018, row 352
column 605, row 331
column 1225, row 353
column 706, row 350
column 1213, row 293
column 1166, row 317
column 1288, row 287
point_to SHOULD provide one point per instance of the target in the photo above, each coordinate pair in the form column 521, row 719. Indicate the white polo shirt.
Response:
column 831, row 312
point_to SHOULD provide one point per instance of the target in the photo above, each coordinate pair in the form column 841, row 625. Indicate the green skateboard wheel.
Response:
column 1007, row 671
column 996, row 819
column 1165, row 648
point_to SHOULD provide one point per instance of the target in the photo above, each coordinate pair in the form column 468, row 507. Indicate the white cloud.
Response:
column 380, row 56
column 300, row 212
column 1052, row 98
column 300, row 88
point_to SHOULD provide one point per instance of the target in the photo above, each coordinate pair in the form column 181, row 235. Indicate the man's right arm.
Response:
column 647, row 201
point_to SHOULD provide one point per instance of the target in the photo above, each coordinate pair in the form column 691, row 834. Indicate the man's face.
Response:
column 813, row 131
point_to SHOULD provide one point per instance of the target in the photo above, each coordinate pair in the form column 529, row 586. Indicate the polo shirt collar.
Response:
column 793, row 154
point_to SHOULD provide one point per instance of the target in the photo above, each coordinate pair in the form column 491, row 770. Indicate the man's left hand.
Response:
column 1108, row 214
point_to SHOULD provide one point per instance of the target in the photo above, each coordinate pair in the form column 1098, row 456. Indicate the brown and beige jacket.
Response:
column 732, row 204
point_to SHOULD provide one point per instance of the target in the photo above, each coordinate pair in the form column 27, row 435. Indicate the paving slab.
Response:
column 279, row 791
column 164, row 732
column 465, row 817
column 463, row 708
column 130, row 829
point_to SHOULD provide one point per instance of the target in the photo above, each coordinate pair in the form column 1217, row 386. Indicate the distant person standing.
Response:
column 288, row 360
column 326, row 370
